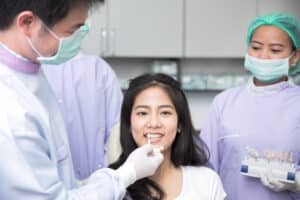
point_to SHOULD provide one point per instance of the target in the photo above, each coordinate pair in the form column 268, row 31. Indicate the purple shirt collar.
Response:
column 17, row 62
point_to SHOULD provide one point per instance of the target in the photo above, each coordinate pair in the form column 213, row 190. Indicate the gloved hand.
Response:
column 142, row 162
column 276, row 185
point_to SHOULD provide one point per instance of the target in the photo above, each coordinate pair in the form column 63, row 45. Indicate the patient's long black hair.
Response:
column 187, row 148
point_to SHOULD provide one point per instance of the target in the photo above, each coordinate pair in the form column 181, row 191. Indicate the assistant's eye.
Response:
column 255, row 48
column 276, row 51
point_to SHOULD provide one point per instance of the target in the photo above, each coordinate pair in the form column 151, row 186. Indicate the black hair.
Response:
column 185, row 149
column 49, row 11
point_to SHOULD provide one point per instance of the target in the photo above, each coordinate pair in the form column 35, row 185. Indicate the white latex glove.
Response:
column 141, row 163
column 278, row 186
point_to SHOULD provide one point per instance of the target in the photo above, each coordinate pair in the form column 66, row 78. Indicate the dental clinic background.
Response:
column 201, row 42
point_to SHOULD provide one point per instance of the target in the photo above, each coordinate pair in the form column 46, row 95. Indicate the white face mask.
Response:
column 68, row 46
column 267, row 70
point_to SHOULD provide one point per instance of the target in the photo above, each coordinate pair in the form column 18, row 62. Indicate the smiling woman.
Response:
column 154, row 118
column 155, row 110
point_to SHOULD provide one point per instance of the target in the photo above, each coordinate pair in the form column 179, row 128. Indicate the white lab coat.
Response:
column 35, row 162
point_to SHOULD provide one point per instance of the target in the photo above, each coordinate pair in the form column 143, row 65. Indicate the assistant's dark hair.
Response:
column 185, row 150
column 49, row 11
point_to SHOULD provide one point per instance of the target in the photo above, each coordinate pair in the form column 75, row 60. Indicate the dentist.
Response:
column 35, row 158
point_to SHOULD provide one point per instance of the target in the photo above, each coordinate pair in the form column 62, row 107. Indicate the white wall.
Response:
column 199, row 103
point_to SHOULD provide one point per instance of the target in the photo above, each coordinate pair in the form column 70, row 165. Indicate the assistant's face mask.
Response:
column 68, row 46
column 267, row 70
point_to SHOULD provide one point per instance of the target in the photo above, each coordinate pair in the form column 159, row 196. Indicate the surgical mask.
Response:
column 267, row 70
column 68, row 46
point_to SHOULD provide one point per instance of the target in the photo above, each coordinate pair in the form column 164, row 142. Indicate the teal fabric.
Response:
column 286, row 22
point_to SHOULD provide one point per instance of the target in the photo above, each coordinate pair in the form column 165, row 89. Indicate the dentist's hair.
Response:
column 187, row 149
column 49, row 11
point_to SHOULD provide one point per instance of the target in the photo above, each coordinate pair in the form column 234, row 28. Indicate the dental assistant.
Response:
column 90, row 99
column 259, row 123
column 35, row 158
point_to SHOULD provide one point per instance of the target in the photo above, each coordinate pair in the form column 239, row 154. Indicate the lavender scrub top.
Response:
column 264, row 119
column 90, row 99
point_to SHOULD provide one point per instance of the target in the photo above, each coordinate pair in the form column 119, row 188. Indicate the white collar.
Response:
column 269, row 89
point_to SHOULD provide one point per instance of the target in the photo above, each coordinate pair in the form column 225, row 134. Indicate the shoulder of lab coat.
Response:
column 31, row 165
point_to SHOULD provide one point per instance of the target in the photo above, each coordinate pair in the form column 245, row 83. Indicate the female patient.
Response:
column 155, row 111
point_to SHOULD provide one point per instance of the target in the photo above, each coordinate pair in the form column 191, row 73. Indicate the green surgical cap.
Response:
column 285, row 22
